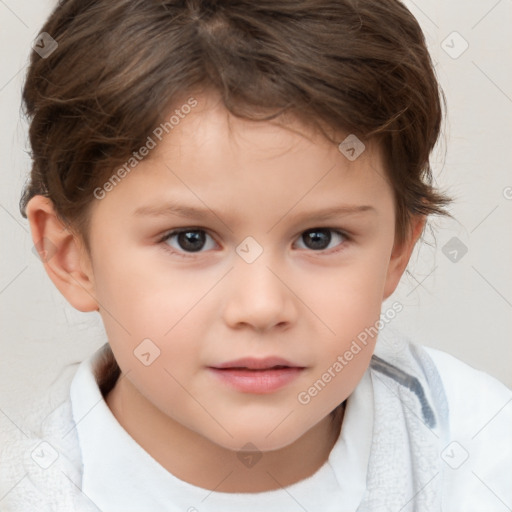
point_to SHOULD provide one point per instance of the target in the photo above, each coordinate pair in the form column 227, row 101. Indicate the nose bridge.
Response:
column 258, row 295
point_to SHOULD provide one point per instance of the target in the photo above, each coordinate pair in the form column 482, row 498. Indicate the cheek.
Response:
column 139, row 302
column 349, row 298
column 349, row 301
column 143, row 293
column 350, row 309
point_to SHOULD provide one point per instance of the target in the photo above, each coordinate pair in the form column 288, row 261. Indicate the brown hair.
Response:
column 360, row 66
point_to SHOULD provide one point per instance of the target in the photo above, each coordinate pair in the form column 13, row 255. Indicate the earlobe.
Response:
column 64, row 257
column 401, row 254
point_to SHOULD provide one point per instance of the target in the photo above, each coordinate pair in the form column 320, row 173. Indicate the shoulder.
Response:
column 28, row 458
column 40, row 464
column 472, row 394
column 478, row 454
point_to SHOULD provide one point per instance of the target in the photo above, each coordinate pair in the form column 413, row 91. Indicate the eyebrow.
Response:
column 175, row 209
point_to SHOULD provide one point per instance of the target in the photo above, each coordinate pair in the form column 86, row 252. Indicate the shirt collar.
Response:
column 119, row 475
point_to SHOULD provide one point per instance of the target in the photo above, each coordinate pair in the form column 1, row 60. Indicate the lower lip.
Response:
column 257, row 381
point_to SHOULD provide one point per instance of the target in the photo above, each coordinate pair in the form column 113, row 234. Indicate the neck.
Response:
column 193, row 458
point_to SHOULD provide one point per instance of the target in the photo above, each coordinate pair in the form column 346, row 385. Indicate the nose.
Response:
column 259, row 297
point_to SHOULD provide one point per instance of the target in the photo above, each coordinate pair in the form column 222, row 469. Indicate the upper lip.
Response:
column 254, row 363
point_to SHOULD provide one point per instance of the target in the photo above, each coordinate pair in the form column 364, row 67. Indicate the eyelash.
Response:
column 170, row 234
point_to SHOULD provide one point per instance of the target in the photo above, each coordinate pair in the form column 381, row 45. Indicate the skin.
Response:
column 295, row 300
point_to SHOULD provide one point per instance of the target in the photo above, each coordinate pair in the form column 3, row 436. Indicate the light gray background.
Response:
column 463, row 307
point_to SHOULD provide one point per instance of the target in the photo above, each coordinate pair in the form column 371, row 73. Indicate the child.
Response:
column 290, row 141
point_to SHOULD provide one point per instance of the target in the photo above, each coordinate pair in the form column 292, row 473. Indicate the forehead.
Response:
column 210, row 136
column 214, row 160
column 214, row 129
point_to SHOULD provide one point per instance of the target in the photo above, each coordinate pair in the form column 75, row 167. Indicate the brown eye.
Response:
column 318, row 239
column 187, row 240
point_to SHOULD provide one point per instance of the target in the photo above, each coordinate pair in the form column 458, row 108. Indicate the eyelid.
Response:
column 177, row 231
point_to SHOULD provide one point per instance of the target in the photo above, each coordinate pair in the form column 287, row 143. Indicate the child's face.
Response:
column 304, row 299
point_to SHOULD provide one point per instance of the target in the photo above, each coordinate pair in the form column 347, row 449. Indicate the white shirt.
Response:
column 83, row 460
column 119, row 475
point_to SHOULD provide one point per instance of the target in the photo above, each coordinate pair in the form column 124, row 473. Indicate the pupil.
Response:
column 319, row 238
column 191, row 240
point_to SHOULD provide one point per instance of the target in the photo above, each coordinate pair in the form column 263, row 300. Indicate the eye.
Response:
column 318, row 239
column 187, row 240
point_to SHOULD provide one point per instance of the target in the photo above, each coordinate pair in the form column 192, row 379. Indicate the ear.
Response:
column 401, row 254
column 63, row 255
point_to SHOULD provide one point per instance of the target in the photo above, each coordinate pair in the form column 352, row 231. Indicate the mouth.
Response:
column 257, row 364
column 255, row 369
column 260, row 376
